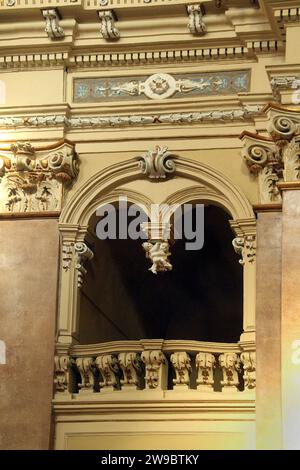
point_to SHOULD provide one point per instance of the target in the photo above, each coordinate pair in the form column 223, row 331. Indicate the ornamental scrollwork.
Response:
column 196, row 24
column 157, row 163
column 108, row 29
column 33, row 180
column 53, row 28
column 276, row 157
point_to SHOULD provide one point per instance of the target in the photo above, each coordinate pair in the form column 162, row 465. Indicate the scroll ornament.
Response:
column 157, row 163
column 34, row 180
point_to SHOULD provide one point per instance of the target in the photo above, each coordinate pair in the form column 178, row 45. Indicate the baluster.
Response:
column 230, row 364
column 156, row 364
column 108, row 366
column 182, row 365
column 62, row 374
column 86, row 368
column 132, row 369
column 205, row 364
column 249, row 362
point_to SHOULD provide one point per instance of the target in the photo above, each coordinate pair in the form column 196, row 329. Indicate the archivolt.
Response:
column 107, row 184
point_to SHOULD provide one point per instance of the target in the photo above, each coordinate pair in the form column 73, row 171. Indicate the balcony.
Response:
column 114, row 369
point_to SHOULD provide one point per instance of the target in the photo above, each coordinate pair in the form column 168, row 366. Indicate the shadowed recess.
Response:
column 200, row 299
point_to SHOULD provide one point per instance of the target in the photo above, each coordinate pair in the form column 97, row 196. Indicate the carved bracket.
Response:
column 245, row 247
column 108, row 28
column 230, row 363
column 62, row 371
column 158, row 253
column 53, row 28
column 196, row 24
column 34, row 180
column 131, row 365
column 83, row 254
column 156, row 366
column 205, row 364
column 277, row 157
column 86, row 367
column 157, row 163
column 107, row 364
column 249, row 363
column 181, row 362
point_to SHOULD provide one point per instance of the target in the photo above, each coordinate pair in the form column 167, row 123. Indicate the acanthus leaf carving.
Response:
column 67, row 255
column 62, row 371
column 157, row 163
column 291, row 158
column 248, row 359
column 156, row 366
column 265, row 160
column 33, row 180
column 245, row 247
column 108, row 28
column 181, row 362
column 86, row 367
column 83, row 254
column 108, row 366
column 131, row 365
column 53, row 28
column 196, row 24
column 205, row 364
column 230, row 364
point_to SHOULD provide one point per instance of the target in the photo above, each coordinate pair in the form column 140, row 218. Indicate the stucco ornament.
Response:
column 157, row 163
column 108, row 28
column 53, row 28
column 159, row 86
column 158, row 253
column 33, row 180
column 196, row 24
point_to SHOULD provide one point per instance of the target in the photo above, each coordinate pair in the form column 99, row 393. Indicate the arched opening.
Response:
column 200, row 299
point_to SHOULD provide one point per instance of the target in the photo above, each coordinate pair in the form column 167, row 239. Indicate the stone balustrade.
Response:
column 89, row 4
column 154, row 365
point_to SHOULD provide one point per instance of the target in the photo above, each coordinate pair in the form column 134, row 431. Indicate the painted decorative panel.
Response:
column 160, row 86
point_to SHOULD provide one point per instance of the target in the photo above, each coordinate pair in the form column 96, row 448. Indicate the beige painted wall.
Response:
column 28, row 286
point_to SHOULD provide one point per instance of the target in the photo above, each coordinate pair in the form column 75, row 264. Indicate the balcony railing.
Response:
column 90, row 4
column 154, row 365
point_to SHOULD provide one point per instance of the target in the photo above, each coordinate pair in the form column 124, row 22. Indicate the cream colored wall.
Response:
column 38, row 79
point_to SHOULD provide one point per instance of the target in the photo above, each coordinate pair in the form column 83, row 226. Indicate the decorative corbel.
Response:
column 53, row 28
column 35, row 179
column 181, row 362
column 108, row 366
column 196, row 24
column 87, row 369
column 83, row 254
column 205, row 364
column 248, row 359
column 108, row 28
column 264, row 158
column 131, row 365
column 157, row 247
column 230, row 364
column 157, row 163
column 245, row 247
column 156, row 366
column 62, row 373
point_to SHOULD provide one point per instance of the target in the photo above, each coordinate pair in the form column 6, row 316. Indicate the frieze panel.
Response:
column 160, row 86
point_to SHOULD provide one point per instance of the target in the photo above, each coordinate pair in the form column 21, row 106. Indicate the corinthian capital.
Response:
column 35, row 179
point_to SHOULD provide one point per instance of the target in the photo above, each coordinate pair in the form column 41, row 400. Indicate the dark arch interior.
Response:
column 200, row 299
